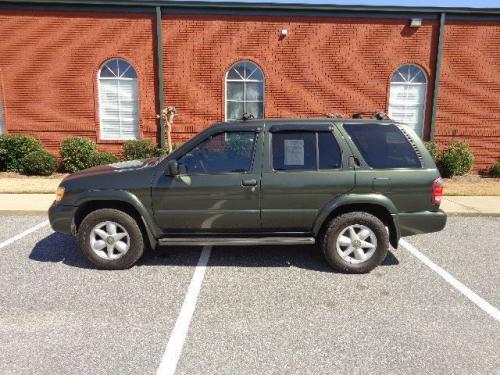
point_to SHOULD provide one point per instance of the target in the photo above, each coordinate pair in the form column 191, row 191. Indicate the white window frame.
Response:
column 102, row 136
column 263, row 81
column 410, row 83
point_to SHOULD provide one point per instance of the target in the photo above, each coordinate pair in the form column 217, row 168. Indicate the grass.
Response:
column 17, row 183
column 472, row 185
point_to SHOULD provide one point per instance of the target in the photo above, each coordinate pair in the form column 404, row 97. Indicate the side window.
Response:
column 294, row 151
column 330, row 156
column 383, row 146
column 228, row 152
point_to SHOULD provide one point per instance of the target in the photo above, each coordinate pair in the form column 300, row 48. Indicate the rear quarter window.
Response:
column 383, row 146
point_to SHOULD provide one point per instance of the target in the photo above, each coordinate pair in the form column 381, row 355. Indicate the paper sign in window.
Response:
column 294, row 152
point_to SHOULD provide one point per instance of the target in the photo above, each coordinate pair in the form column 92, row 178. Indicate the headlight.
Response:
column 59, row 194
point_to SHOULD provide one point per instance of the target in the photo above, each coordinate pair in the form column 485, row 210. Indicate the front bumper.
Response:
column 421, row 222
column 62, row 218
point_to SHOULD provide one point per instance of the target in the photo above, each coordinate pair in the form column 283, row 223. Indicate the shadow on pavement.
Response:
column 59, row 248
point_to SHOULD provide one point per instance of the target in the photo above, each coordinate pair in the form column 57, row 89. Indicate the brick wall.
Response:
column 48, row 71
column 49, row 62
column 469, row 97
column 323, row 65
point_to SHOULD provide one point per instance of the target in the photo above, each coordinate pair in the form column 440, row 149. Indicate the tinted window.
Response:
column 383, row 146
column 329, row 151
column 294, row 151
column 222, row 153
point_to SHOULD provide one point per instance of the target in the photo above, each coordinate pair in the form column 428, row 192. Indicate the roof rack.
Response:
column 335, row 115
column 247, row 116
column 372, row 115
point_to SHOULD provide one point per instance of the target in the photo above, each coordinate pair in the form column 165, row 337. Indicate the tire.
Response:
column 359, row 255
column 126, row 243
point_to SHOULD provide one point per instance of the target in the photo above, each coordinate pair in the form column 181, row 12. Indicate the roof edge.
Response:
column 265, row 6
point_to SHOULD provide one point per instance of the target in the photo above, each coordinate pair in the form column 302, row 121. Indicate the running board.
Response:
column 236, row 241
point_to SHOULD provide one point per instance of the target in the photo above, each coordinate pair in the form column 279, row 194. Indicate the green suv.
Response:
column 354, row 187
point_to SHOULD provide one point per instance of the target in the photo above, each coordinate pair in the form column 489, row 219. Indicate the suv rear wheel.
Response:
column 355, row 242
column 110, row 239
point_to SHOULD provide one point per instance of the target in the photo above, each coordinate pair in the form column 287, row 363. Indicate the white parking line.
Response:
column 173, row 350
column 481, row 303
column 22, row 234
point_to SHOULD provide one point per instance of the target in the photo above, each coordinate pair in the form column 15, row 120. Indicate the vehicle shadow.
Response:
column 59, row 248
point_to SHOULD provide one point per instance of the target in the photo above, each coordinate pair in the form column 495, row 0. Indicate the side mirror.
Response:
column 173, row 168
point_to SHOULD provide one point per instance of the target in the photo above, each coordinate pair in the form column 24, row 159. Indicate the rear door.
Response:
column 305, row 166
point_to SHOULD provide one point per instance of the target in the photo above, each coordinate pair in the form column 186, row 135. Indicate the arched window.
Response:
column 407, row 97
column 118, row 100
column 244, row 91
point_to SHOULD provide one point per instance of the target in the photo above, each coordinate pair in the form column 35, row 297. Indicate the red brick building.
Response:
column 104, row 71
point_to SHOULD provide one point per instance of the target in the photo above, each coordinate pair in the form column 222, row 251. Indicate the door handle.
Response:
column 249, row 182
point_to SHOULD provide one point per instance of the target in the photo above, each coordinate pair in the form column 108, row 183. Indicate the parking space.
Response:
column 15, row 224
column 259, row 310
column 470, row 250
column 58, row 315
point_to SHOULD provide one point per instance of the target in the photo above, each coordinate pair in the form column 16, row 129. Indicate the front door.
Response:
column 218, row 189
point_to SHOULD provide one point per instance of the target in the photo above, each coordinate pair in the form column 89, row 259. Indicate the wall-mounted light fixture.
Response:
column 416, row 22
column 283, row 33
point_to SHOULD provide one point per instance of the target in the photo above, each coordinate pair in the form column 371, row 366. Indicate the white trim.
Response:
column 410, row 83
column 226, row 80
column 134, row 105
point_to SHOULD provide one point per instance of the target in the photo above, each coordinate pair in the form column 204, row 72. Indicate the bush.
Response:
column 78, row 153
column 102, row 158
column 455, row 160
column 13, row 149
column 495, row 170
column 141, row 149
column 39, row 163
column 433, row 149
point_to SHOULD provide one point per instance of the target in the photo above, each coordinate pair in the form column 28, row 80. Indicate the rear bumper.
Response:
column 62, row 218
column 421, row 222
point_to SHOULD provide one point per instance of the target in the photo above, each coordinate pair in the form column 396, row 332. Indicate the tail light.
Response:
column 437, row 191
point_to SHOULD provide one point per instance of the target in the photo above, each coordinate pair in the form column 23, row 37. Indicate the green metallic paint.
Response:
column 421, row 222
column 282, row 203
column 352, row 199
column 291, row 200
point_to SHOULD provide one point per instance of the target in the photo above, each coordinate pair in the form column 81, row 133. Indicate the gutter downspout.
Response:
column 159, row 75
column 437, row 73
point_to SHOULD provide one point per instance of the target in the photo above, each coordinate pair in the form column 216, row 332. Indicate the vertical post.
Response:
column 159, row 74
column 437, row 73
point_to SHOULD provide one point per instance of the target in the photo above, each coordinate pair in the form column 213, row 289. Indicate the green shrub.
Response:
column 39, row 163
column 141, row 149
column 433, row 149
column 455, row 160
column 102, row 158
column 78, row 153
column 495, row 170
column 13, row 148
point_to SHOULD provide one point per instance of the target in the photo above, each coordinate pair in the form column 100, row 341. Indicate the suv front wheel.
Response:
column 110, row 239
column 355, row 242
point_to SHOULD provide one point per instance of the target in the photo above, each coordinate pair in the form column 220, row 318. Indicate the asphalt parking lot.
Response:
column 258, row 310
